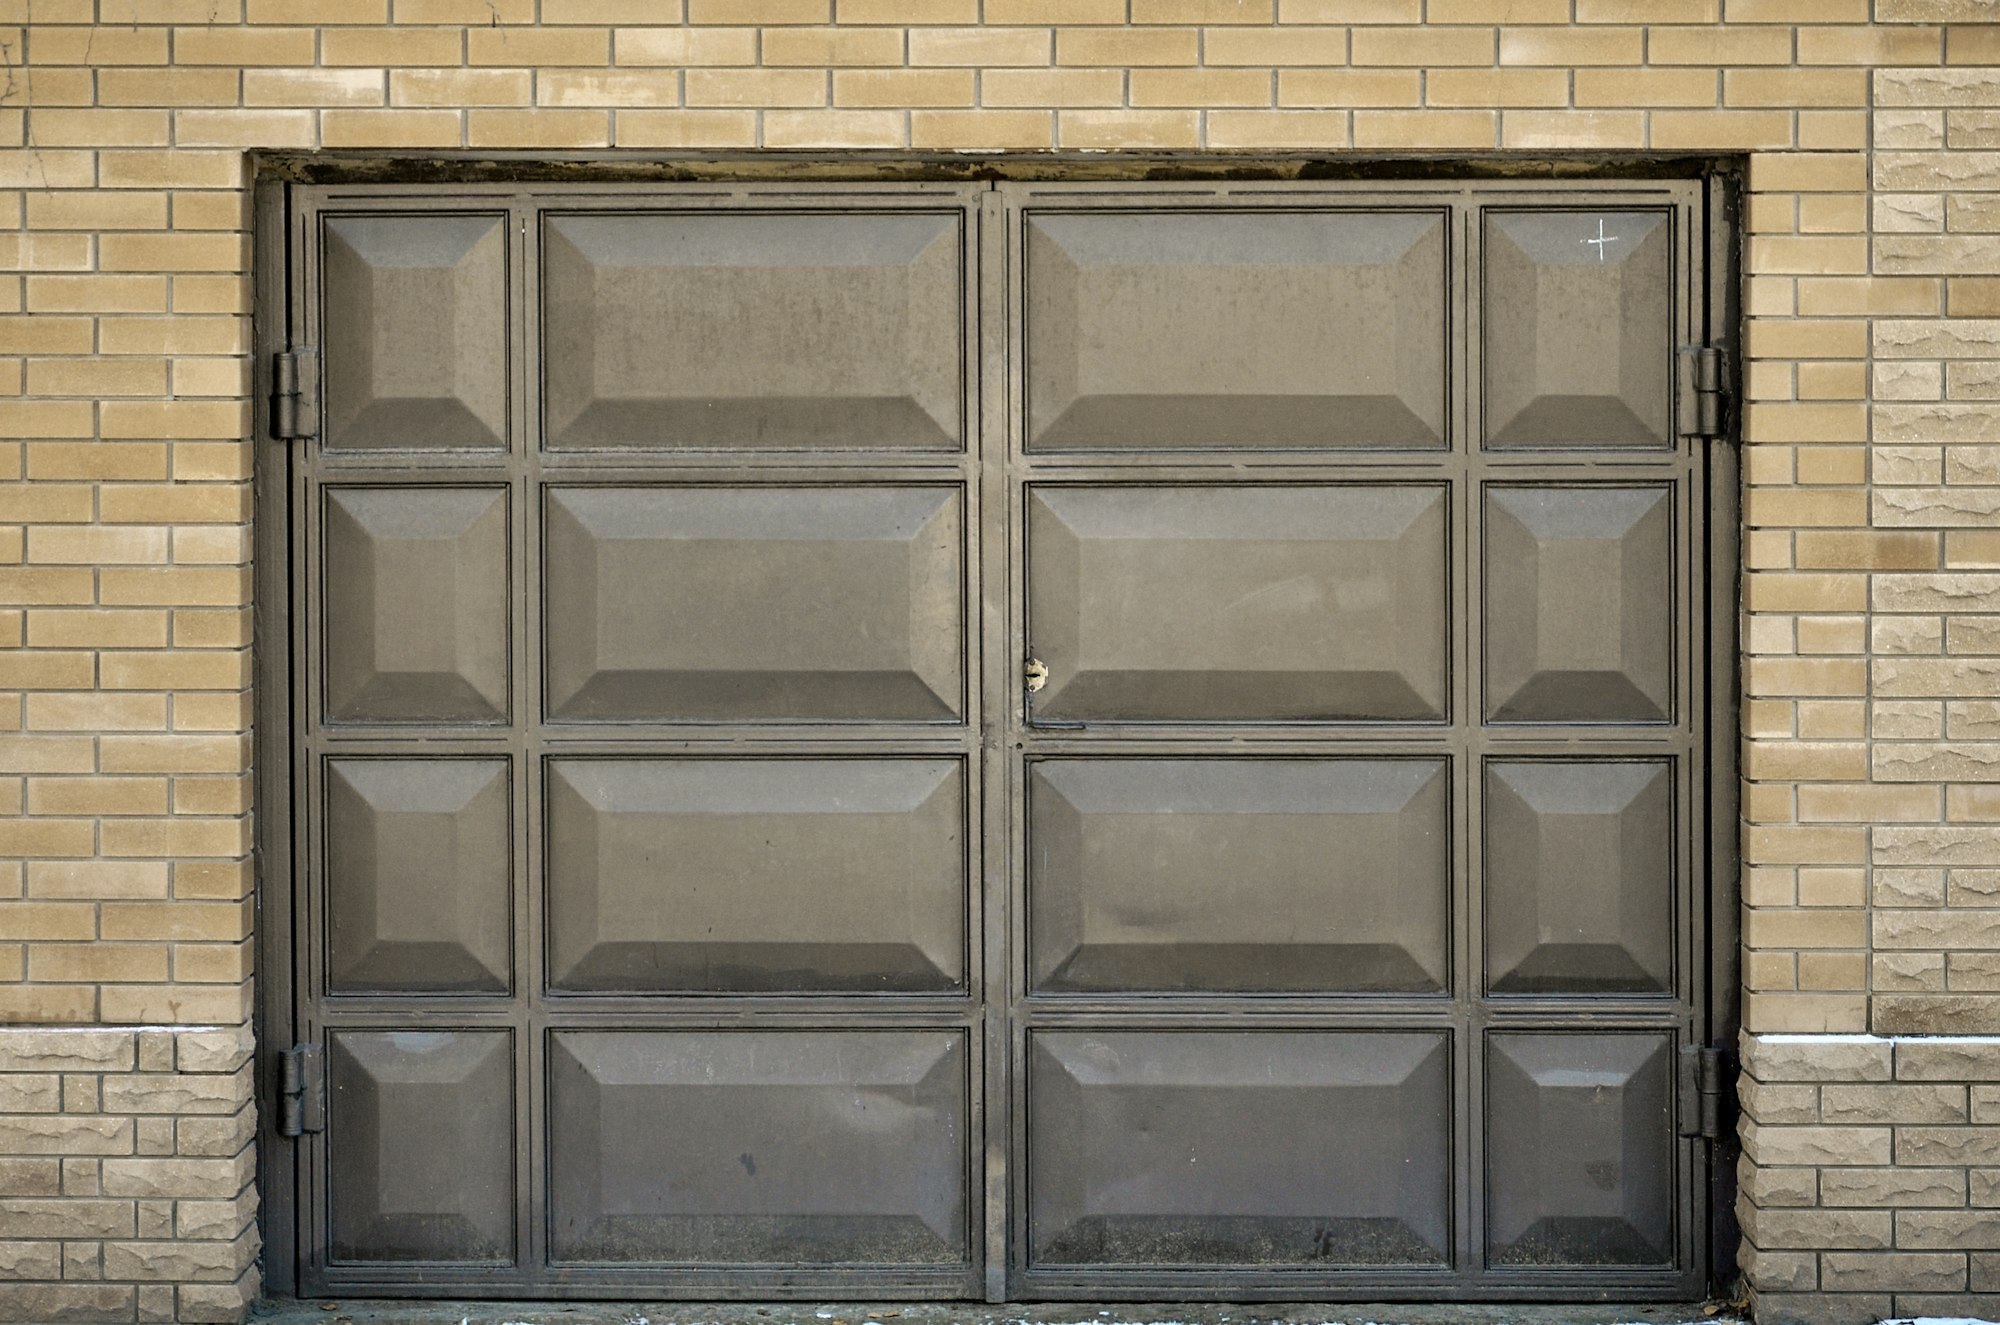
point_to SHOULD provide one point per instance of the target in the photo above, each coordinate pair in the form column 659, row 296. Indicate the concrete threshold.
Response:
column 340, row 1312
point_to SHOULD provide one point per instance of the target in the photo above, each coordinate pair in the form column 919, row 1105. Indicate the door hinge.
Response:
column 301, row 1090
column 1703, row 1071
column 295, row 393
column 1704, row 398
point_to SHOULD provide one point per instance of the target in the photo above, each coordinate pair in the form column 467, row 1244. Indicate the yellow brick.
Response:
column 1201, row 87
column 99, row 961
column 1795, row 508
column 244, row 46
column 1350, row 11
column 1418, row 129
column 1832, row 213
column 1497, row 87
column 1033, row 13
column 93, row 795
column 578, row 87
column 1203, row 11
column 181, row 503
column 1617, row 129
column 1806, row 593
column 1717, row 45
column 1795, row 87
column 1277, row 128
column 97, row 211
column 44, row 418
column 44, row 253
column 212, row 712
column 261, row 12
column 96, row 879
column 96, row 294
column 538, row 46
column 1118, row 46
column 826, row 47
column 1972, row 44
column 244, row 128
column 834, row 128
column 45, row 669
column 458, row 87
column 756, row 87
column 685, row 46
column 47, row 920
column 212, row 795
column 167, row 87
column 902, row 87
column 1568, row 47
column 1054, row 87
column 1795, row 11
column 172, row 754
column 391, row 128
column 179, row 334
column 1498, row 11
column 1872, row 549
column 1424, row 46
column 1822, row 339
column 173, row 252
column 195, row 293
column 1805, row 172
column 1105, row 130
column 468, row 12
column 160, row 11
column 50, row 545
column 1808, row 254
column 989, row 47
column 47, row 837
column 610, row 11
column 1645, row 87
column 170, row 419
column 93, row 460
column 759, row 11
column 174, row 837
column 312, row 87
column 1349, row 87
column 46, row 170
column 1970, row 548
column 909, row 12
column 46, row 335
column 100, row 44
column 1881, row 44
column 384, row 47
column 97, row 629
column 981, row 128
column 219, row 1005
column 179, row 169
column 1275, row 46
column 1721, row 130
column 1832, row 381
column 97, row 377
column 226, row 629
column 107, row 128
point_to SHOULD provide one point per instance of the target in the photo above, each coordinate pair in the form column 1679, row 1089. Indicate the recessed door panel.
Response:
column 1579, row 604
column 1239, row 603
column 756, row 875
column 696, row 604
column 1231, row 330
column 1262, row 1148
column 727, row 331
column 415, row 333
column 419, row 876
column 420, row 1141
column 1224, row 875
column 1580, row 1149
column 809, row 1148
column 1580, row 869
column 415, row 618
column 1579, row 322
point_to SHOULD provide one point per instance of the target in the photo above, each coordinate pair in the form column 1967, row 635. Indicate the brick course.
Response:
column 1871, row 704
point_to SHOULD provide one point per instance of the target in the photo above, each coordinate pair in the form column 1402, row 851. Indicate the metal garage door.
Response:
column 957, row 740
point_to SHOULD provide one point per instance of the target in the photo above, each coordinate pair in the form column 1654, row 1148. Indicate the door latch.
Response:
column 301, row 1090
column 1703, row 403
column 295, row 393
column 1034, row 674
column 1703, row 1068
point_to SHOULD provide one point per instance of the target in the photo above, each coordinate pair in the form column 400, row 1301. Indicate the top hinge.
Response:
column 295, row 393
column 1704, row 1070
column 301, row 1090
column 1703, row 371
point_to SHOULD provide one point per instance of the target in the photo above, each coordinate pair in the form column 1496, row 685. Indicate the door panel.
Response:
column 775, row 1147
column 1239, row 875
column 1054, row 741
column 1219, row 1148
column 1234, row 604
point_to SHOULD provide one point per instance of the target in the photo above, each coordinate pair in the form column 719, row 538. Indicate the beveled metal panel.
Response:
column 1580, row 869
column 756, row 875
column 754, row 331
column 420, row 1145
column 759, row 1147
column 1213, row 603
column 1235, row 329
column 1579, row 604
column 754, row 604
column 1580, row 1149
column 415, row 352
column 418, row 879
column 415, row 617
column 1578, row 317
column 1239, row 875
column 1250, row 1148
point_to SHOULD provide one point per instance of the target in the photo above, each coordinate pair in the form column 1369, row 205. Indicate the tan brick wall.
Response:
column 1872, row 502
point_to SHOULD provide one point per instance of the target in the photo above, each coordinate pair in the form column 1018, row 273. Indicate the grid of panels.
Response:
column 679, row 922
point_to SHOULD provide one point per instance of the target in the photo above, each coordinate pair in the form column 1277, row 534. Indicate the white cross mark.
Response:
column 1602, row 239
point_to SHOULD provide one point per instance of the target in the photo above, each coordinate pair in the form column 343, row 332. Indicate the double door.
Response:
column 999, row 741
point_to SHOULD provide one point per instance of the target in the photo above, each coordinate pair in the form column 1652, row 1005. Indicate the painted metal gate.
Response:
column 1037, row 740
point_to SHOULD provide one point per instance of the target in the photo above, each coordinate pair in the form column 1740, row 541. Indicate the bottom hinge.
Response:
column 1704, row 1070
column 301, row 1090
